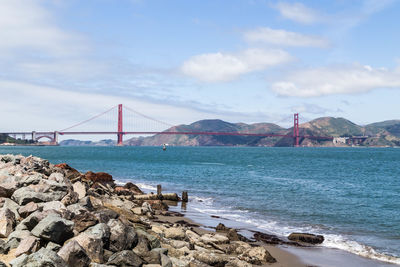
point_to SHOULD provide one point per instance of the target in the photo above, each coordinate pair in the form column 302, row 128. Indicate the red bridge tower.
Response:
column 120, row 129
column 296, row 133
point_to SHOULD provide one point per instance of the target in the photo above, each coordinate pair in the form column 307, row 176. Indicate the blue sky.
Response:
column 63, row 61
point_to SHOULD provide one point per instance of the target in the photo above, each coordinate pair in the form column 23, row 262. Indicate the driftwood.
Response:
column 167, row 196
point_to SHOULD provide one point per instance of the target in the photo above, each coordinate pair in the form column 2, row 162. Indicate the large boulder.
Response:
column 122, row 237
column 28, row 209
column 80, row 189
column 214, row 238
column 257, row 255
column 7, row 186
column 28, row 245
column 15, row 238
column 211, row 258
column 8, row 203
column 44, row 191
column 175, row 233
column 7, row 222
column 99, row 177
column 42, row 258
column 125, row 258
column 54, row 228
column 74, row 255
column 100, row 231
column 33, row 219
column 93, row 246
column 306, row 238
column 84, row 220
column 71, row 198
column 69, row 172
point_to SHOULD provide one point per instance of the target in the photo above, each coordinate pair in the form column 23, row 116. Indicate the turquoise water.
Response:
column 350, row 195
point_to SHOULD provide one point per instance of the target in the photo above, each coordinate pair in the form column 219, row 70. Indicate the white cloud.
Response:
column 337, row 80
column 27, row 25
column 297, row 12
column 33, row 46
column 282, row 37
column 217, row 67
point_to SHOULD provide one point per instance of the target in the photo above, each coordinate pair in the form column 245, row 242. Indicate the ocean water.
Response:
column 349, row 195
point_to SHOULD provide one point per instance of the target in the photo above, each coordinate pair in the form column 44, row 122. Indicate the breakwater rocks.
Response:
column 53, row 215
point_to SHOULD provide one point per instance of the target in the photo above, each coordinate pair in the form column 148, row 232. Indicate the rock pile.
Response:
column 53, row 215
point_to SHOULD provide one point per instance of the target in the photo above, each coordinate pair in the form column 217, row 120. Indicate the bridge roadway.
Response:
column 167, row 133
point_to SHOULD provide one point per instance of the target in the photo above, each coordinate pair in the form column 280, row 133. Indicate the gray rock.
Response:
column 210, row 258
column 174, row 233
column 42, row 258
column 86, row 202
column 4, row 248
column 151, row 257
column 71, row 198
column 28, row 209
column 28, row 245
column 154, row 242
column 74, row 255
column 143, row 245
column 257, row 255
column 84, row 220
column 7, row 186
column 80, row 189
column 100, row 231
column 53, row 246
column 57, row 177
column 165, row 261
column 8, row 203
column 122, row 237
column 54, row 228
column 44, row 191
column 146, row 207
column 32, row 220
column 7, row 222
column 125, row 258
column 93, row 246
column 93, row 264
column 52, row 205
column 16, row 237
column 105, row 215
column 77, row 209
column 306, row 238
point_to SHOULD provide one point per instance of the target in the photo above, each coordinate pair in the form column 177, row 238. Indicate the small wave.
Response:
column 204, row 200
column 146, row 186
column 118, row 182
column 339, row 242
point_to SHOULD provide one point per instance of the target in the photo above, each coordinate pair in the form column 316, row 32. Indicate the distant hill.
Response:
column 212, row 140
column 386, row 133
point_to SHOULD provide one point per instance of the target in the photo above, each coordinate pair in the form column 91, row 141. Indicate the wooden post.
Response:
column 159, row 194
column 185, row 197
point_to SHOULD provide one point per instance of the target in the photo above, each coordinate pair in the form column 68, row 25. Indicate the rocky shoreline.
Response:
column 53, row 215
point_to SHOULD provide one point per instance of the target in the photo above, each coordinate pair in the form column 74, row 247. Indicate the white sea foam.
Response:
column 146, row 186
column 118, row 182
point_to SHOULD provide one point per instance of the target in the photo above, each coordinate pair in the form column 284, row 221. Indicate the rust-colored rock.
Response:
column 69, row 172
column 99, row 177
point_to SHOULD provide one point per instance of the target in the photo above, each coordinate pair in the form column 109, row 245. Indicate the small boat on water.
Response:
column 164, row 147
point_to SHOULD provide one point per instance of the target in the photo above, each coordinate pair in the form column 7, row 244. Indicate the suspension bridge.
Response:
column 127, row 121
